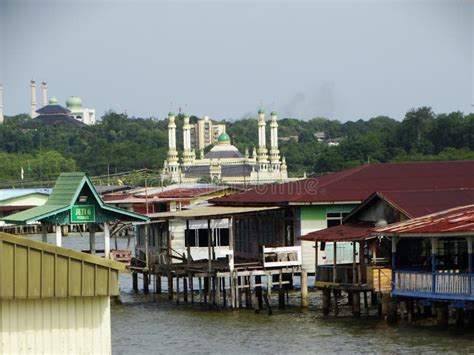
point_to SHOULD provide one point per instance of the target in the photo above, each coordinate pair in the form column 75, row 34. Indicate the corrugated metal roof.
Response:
column 209, row 212
column 6, row 194
column 453, row 222
column 344, row 232
column 419, row 202
column 358, row 183
column 32, row 269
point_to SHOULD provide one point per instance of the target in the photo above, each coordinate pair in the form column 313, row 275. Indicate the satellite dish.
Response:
column 381, row 223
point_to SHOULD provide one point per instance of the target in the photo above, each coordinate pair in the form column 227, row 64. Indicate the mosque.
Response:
column 224, row 162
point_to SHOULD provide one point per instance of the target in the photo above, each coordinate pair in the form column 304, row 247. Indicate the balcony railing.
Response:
column 439, row 285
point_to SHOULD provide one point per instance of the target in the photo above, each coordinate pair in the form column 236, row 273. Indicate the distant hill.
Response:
column 118, row 143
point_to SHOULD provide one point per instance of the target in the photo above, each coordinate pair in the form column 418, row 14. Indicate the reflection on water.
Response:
column 152, row 324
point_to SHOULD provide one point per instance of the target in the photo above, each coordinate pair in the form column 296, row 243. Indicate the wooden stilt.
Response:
column 442, row 314
column 392, row 310
column 191, row 286
column 157, row 284
column 281, row 291
column 326, row 301
column 146, row 283
column 135, row 281
column 336, row 306
column 366, row 304
column 185, row 289
column 170, row 286
column 258, row 293
column 177, row 289
column 201, row 295
column 410, row 308
column 356, row 304
column 459, row 317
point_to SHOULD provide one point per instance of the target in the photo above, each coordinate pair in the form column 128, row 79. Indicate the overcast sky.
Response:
column 339, row 59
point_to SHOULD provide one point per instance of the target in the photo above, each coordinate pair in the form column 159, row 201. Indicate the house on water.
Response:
column 432, row 259
column 321, row 202
column 369, row 269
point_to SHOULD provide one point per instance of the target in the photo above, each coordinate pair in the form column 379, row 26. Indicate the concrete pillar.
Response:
column 58, row 236
column 92, row 238
column 107, row 240
column 304, row 289
column 44, row 233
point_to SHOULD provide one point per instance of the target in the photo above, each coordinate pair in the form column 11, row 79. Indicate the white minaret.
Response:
column 262, row 154
column 1, row 104
column 33, row 99
column 172, row 163
column 274, row 152
column 188, row 154
column 44, row 91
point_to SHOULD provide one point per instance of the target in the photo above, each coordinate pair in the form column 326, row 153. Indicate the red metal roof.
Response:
column 344, row 232
column 452, row 222
column 358, row 183
column 189, row 192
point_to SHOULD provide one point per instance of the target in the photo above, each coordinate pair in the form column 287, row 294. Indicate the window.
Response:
column 335, row 218
column 199, row 238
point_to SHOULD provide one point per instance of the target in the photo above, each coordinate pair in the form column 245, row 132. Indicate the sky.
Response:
column 341, row 59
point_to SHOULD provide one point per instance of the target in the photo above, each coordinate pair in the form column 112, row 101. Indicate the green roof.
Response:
column 223, row 137
column 261, row 111
column 171, row 114
column 65, row 195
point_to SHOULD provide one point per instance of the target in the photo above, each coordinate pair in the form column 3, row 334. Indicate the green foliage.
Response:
column 118, row 143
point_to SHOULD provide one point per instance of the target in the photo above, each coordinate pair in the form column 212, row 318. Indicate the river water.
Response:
column 146, row 324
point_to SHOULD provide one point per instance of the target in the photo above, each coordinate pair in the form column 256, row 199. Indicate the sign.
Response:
column 83, row 214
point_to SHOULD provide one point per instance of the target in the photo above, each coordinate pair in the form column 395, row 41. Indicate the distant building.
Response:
column 205, row 133
column 224, row 162
column 73, row 106
column 54, row 113
column 83, row 114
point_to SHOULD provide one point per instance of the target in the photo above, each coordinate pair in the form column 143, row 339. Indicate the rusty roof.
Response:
column 342, row 233
column 457, row 221
column 356, row 184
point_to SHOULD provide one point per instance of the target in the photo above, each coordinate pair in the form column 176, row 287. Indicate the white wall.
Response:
column 177, row 229
column 74, row 325
column 307, row 248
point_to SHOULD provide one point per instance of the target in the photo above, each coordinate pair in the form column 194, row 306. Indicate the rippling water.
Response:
column 151, row 324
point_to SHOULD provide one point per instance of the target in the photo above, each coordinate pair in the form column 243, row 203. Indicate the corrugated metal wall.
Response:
column 72, row 325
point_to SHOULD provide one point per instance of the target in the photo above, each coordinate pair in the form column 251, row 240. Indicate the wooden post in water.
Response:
column 177, row 289
column 44, row 233
column 170, row 286
column 459, row 317
column 356, row 304
column 135, row 281
column 326, row 301
column 258, row 293
column 442, row 314
column 392, row 316
column 281, row 291
column 200, row 290
column 185, row 289
column 191, row 286
column 157, row 284
column 304, row 289
column 146, row 288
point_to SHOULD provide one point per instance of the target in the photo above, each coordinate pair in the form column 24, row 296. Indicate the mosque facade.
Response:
column 224, row 162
